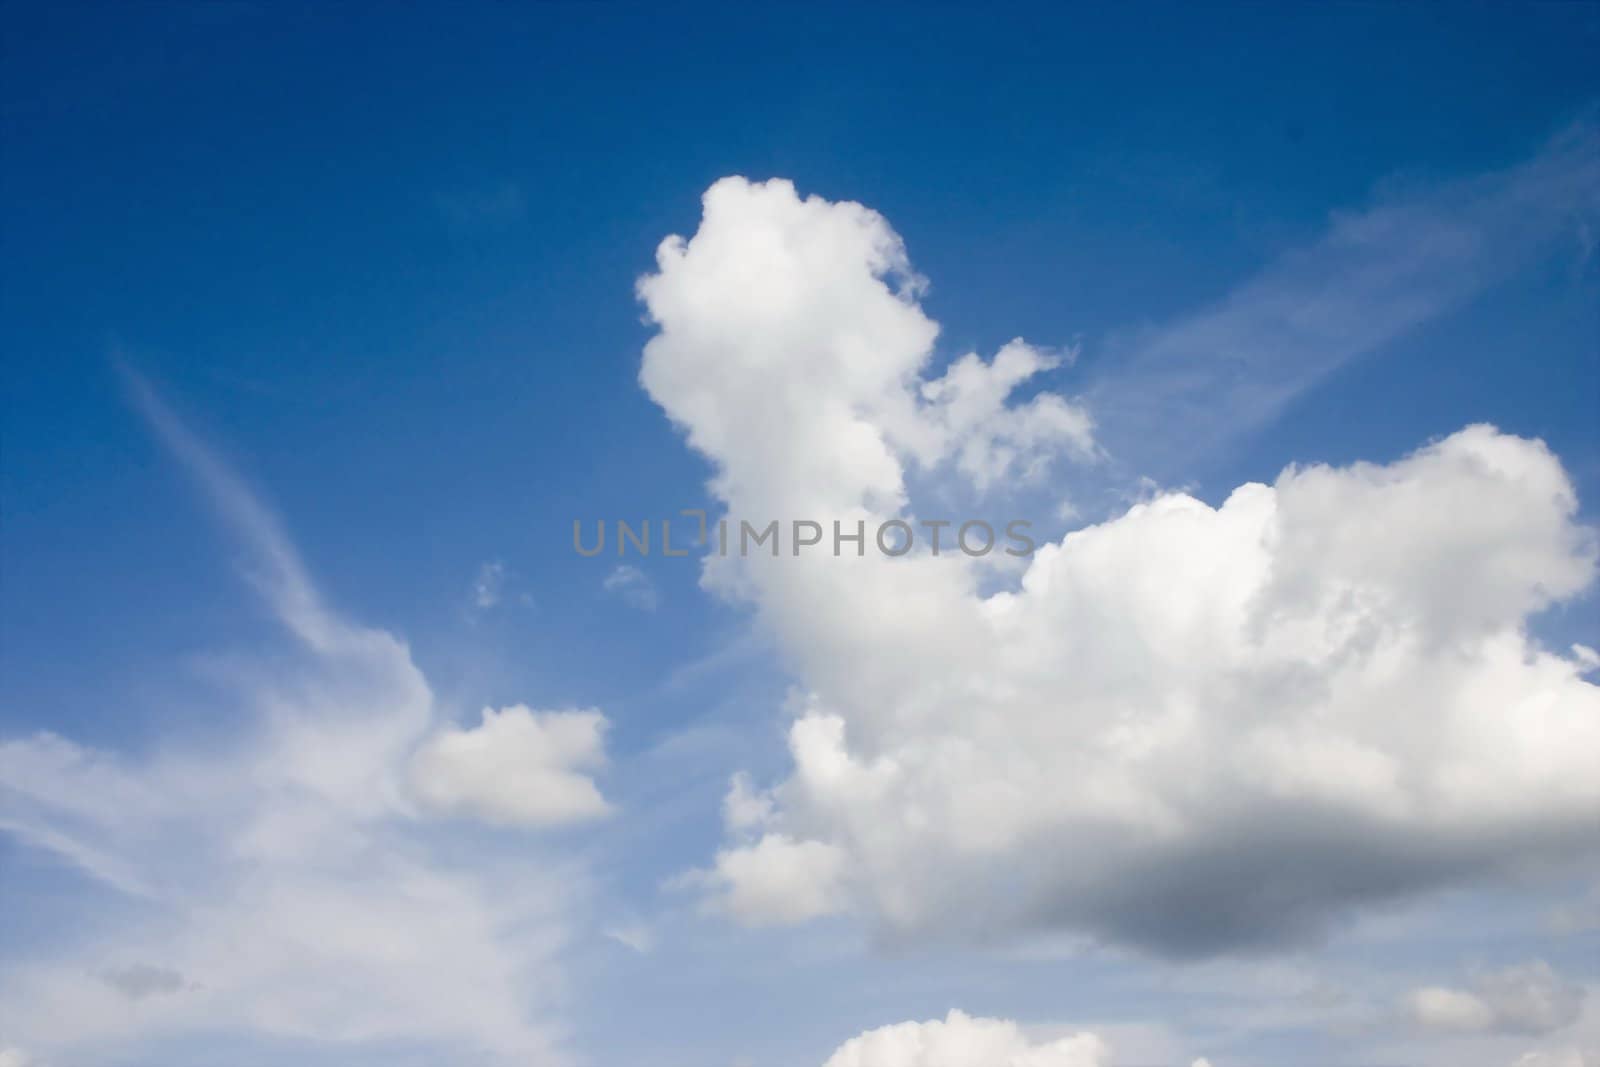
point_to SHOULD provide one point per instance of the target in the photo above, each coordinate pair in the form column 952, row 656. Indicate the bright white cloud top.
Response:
column 789, row 351
column 1188, row 727
column 518, row 766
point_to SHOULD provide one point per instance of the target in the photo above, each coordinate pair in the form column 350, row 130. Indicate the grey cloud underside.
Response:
column 1285, row 882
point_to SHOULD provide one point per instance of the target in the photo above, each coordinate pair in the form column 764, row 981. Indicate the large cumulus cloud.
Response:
column 1189, row 727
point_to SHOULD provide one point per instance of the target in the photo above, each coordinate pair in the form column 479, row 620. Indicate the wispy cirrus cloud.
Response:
column 283, row 882
column 1171, row 392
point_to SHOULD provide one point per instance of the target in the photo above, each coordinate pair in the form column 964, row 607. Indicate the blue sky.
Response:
column 363, row 287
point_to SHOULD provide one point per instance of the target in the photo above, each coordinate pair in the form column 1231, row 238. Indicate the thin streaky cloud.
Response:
column 1173, row 392
column 275, row 567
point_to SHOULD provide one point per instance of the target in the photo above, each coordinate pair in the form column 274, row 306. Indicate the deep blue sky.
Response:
column 383, row 259
column 386, row 258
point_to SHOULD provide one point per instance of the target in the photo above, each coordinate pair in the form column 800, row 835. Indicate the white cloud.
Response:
column 1527, row 999
column 1188, row 727
column 779, row 880
column 960, row 1040
column 518, row 766
column 634, row 586
column 993, row 443
column 807, row 387
column 270, row 881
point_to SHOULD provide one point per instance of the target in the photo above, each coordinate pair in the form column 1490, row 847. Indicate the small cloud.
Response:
column 489, row 586
column 142, row 980
column 777, row 881
column 633, row 586
column 518, row 767
column 634, row 935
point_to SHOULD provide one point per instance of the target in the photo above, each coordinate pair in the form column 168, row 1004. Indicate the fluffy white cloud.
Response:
column 960, row 1040
column 271, row 881
column 791, row 350
column 1187, row 727
column 779, row 880
column 518, row 766
column 1528, row 999
column 993, row 443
